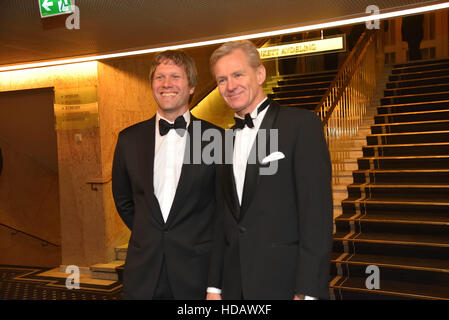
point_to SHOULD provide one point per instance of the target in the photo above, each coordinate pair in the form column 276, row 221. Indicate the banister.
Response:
column 368, row 34
column 45, row 242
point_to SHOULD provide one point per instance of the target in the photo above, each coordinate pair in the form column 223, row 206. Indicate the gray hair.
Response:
column 245, row 45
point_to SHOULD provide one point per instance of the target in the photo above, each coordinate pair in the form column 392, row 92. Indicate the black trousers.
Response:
column 163, row 289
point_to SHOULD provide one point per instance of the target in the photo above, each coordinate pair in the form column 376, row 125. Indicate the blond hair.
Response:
column 179, row 58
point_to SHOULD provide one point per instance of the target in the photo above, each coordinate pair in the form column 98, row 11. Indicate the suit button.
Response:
column 242, row 229
column 165, row 231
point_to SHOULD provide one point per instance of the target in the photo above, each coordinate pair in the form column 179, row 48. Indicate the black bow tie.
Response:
column 241, row 123
column 248, row 121
column 165, row 126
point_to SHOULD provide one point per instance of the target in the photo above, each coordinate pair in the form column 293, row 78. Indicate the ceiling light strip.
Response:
column 318, row 26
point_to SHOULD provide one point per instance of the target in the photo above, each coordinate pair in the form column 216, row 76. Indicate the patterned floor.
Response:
column 27, row 283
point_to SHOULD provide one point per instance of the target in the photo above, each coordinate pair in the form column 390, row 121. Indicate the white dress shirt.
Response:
column 244, row 140
column 168, row 160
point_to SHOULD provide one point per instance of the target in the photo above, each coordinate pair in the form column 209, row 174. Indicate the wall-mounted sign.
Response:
column 301, row 48
column 76, row 109
column 49, row 8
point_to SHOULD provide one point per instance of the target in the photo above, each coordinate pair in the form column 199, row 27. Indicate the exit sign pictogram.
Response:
column 50, row 8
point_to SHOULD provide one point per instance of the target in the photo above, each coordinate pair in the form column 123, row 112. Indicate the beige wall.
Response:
column 81, row 210
column 124, row 98
column 29, row 192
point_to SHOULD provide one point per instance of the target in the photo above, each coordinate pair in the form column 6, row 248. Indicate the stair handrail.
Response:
column 344, row 76
column 45, row 242
column 344, row 106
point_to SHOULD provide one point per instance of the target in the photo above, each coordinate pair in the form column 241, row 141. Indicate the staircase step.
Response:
column 342, row 292
column 419, row 75
column 298, row 100
column 402, row 283
column 397, row 230
column 413, row 107
column 296, row 94
column 120, row 252
column 399, row 191
column 407, row 127
column 419, row 63
column 421, row 149
column 417, row 82
column 396, row 261
column 308, row 106
column 438, row 176
column 432, row 88
column 398, row 216
column 408, row 138
column 305, row 86
column 413, row 98
column 428, row 254
column 387, row 233
column 421, row 68
column 433, row 206
column 310, row 75
column 400, row 162
column 410, row 117
column 320, row 78
column 106, row 271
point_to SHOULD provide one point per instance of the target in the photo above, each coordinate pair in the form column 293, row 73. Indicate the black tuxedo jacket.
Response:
column 185, row 239
column 278, row 242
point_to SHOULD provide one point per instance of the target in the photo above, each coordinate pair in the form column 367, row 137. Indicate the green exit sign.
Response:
column 50, row 8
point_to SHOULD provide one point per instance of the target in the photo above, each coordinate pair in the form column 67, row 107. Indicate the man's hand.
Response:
column 298, row 297
column 213, row 296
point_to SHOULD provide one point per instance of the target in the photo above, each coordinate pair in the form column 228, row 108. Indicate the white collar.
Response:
column 254, row 113
column 186, row 116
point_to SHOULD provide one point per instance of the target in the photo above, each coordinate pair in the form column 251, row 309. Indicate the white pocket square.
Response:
column 273, row 157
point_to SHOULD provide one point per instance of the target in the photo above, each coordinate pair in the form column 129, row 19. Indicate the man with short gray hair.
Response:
column 276, row 229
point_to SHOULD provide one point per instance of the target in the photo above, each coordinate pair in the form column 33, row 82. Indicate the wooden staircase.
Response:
column 112, row 270
column 396, row 216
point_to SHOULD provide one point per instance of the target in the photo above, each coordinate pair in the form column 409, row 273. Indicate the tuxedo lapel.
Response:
column 145, row 150
column 229, row 187
column 230, row 190
column 252, row 175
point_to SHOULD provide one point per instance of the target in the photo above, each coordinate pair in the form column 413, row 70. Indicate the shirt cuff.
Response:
column 213, row 290
column 309, row 298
